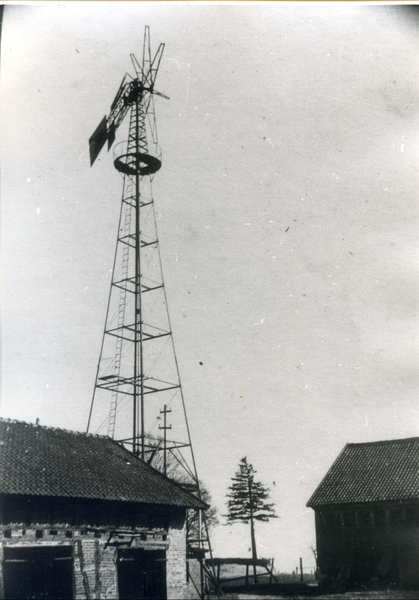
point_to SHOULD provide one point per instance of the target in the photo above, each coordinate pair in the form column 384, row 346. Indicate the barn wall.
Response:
column 409, row 560
column 373, row 545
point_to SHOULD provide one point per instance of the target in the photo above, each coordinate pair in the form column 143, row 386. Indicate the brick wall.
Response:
column 108, row 573
column 183, row 580
column 176, row 561
column 95, row 572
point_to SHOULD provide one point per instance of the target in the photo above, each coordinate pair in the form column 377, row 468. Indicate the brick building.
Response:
column 82, row 517
column 367, row 516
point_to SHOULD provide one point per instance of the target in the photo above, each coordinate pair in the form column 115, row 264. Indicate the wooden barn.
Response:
column 367, row 516
column 82, row 517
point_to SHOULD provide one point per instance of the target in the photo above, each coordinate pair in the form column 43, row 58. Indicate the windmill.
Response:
column 137, row 381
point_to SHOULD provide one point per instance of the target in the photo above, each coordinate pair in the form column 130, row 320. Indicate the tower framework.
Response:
column 137, row 384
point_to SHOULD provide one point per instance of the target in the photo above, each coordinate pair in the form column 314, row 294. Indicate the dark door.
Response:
column 38, row 573
column 142, row 574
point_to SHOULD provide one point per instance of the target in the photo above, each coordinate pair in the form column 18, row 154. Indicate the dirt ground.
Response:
column 291, row 587
column 276, row 593
column 233, row 586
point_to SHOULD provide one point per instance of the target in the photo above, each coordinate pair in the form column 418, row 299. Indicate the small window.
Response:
column 39, row 533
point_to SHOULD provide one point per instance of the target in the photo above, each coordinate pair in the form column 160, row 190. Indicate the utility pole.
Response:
column 165, row 428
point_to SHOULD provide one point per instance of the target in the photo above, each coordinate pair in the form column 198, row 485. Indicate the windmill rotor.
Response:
column 129, row 93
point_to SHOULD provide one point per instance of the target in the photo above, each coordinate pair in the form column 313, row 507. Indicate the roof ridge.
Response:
column 39, row 426
column 382, row 442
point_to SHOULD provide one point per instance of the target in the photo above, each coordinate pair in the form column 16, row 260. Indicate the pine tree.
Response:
column 247, row 503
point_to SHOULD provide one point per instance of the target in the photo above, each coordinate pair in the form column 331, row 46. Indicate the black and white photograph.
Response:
column 209, row 300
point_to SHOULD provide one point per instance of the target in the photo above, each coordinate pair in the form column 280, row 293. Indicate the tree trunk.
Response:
column 252, row 531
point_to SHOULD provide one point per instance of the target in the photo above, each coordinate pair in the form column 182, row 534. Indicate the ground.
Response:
column 277, row 595
column 290, row 586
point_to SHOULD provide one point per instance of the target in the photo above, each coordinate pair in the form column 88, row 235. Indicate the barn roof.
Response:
column 371, row 472
column 44, row 461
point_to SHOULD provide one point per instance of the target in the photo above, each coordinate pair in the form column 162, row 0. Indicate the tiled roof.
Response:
column 371, row 472
column 44, row 461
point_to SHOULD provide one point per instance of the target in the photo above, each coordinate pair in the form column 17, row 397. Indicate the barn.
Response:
column 82, row 517
column 367, row 516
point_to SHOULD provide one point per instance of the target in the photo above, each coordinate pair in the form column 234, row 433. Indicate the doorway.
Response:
column 38, row 572
column 142, row 574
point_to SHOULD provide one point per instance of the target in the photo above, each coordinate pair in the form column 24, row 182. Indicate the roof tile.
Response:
column 44, row 461
column 371, row 472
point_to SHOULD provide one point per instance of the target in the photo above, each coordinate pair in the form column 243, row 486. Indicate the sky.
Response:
column 288, row 221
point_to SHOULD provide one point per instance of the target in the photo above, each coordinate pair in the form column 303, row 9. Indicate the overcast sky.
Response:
column 288, row 225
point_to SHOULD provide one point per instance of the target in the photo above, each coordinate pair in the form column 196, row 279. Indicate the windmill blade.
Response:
column 137, row 68
column 146, row 53
column 151, row 114
column 155, row 65
column 149, row 67
column 111, row 135
column 119, row 93
column 119, row 109
column 98, row 140
column 116, row 118
column 119, row 101
column 160, row 94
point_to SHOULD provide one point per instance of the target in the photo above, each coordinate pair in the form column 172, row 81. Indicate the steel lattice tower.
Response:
column 137, row 381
